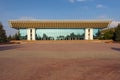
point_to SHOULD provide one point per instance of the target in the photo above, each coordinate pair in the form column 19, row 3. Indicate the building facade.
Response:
column 58, row 29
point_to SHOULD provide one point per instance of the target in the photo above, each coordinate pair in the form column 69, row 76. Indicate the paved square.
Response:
column 60, row 60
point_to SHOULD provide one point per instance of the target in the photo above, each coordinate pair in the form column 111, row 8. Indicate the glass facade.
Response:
column 58, row 34
column 23, row 34
column 96, row 33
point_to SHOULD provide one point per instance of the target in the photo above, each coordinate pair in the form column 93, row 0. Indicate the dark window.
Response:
column 30, row 30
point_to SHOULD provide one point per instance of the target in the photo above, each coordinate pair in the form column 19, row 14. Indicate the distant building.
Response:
column 58, row 29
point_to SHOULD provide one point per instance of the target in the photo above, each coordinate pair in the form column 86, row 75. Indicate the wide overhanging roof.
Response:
column 59, row 23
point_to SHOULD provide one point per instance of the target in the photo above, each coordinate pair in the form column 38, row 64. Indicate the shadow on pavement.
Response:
column 117, row 49
column 8, row 47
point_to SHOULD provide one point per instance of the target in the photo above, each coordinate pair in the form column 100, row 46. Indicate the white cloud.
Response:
column 72, row 1
column 81, row 0
column 84, row 0
column 100, row 6
column 27, row 18
column 102, row 17
column 113, row 24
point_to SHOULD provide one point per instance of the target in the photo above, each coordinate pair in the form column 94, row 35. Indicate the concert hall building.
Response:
column 59, row 29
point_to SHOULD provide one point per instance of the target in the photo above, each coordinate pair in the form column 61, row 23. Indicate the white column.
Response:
column 86, row 33
column 33, row 33
column 28, row 34
column 91, row 34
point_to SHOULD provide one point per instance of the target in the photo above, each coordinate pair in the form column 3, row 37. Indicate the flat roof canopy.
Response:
column 59, row 23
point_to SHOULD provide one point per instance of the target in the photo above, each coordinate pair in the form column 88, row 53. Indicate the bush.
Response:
column 117, row 33
column 3, row 37
column 107, row 34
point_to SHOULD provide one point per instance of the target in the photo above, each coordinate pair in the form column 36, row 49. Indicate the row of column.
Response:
column 88, row 34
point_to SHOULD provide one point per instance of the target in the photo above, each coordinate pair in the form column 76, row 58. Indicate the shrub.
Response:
column 3, row 37
column 117, row 33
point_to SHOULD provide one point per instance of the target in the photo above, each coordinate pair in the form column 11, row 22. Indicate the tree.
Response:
column 9, row 38
column 117, row 33
column 60, row 37
column 108, row 35
column 3, row 37
column 72, row 35
column 45, row 37
column 17, row 36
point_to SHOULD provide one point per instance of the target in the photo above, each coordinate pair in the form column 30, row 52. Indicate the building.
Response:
column 58, row 29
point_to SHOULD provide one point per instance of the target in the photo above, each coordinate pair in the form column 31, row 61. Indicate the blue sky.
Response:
column 57, row 9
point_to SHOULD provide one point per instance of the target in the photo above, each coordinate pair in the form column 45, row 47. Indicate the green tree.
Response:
column 45, row 37
column 9, row 38
column 108, row 35
column 72, row 35
column 117, row 33
column 17, row 36
column 60, row 37
column 3, row 37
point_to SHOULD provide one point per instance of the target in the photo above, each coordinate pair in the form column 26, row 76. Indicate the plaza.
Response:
column 60, row 60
